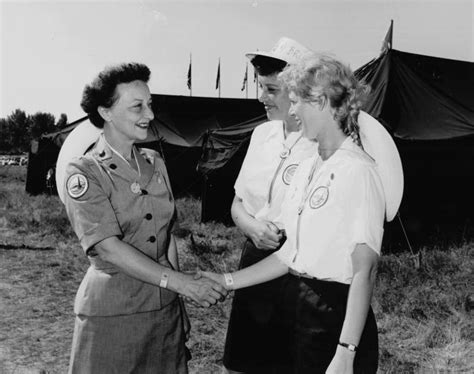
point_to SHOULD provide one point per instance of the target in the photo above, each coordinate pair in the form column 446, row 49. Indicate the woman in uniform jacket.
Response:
column 333, row 213
column 118, row 199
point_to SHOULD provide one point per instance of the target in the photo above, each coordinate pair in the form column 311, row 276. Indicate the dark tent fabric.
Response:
column 421, row 97
column 427, row 103
column 188, row 118
column 219, row 146
column 223, row 152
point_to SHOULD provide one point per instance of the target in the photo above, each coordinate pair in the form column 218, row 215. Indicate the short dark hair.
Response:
column 266, row 66
column 101, row 92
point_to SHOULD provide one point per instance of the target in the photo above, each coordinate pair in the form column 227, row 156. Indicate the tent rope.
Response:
column 415, row 257
column 405, row 233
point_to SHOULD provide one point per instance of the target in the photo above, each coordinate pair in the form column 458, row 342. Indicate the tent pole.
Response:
column 203, row 197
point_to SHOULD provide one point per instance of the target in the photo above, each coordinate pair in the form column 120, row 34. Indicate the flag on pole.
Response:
column 190, row 72
column 218, row 78
column 244, row 83
column 387, row 42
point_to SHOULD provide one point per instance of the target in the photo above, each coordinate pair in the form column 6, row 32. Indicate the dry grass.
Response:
column 424, row 327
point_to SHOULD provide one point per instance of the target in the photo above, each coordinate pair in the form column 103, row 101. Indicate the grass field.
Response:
column 424, row 321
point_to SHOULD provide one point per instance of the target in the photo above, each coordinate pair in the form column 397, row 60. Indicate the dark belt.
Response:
column 300, row 275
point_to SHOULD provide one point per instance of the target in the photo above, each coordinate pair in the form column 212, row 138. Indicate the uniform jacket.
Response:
column 106, row 197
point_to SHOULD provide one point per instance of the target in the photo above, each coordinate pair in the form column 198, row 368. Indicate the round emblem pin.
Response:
column 288, row 173
column 77, row 185
column 135, row 187
column 319, row 197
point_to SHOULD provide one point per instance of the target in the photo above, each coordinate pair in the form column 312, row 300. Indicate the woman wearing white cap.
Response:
column 256, row 341
column 333, row 214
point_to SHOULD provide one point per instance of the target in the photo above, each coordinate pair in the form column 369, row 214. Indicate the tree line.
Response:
column 18, row 129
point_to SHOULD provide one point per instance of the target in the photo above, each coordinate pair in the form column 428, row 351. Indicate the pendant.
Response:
column 285, row 153
column 135, row 187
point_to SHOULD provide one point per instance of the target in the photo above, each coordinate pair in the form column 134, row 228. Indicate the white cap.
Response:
column 378, row 143
column 286, row 50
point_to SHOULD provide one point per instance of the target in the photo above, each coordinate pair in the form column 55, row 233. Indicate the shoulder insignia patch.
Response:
column 77, row 185
column 288, row 173
column 319, row 197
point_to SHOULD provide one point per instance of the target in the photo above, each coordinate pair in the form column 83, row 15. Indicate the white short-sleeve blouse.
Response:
column 342, row 206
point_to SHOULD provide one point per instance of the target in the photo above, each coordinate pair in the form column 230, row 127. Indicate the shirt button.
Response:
column 152, row 239
column 144, row 192
column 148, row 216
column 113, row 166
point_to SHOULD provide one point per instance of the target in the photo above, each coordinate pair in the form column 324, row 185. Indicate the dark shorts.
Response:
column 257, row 335
column 317, row 317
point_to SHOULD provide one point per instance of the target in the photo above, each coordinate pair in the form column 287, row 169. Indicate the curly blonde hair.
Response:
column 322, row 78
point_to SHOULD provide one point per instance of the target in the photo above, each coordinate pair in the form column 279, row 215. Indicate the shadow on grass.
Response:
column 9, row 247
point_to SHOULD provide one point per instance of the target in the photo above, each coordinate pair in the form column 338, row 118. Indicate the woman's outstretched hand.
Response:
column 218, row 278
column 202, row 291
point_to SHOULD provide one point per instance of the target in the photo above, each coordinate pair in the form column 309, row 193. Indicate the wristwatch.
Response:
column 229, row 280
column 164, row 280
column 350, row 347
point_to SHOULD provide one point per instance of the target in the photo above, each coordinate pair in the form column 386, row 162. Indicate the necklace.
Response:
column 307, row 190
column 135, row 186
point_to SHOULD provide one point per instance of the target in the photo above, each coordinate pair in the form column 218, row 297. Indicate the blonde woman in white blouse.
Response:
column 333, row 214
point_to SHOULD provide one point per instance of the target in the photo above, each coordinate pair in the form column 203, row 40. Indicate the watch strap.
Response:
column 229, row 280
column 350, row 347
column 164, row 280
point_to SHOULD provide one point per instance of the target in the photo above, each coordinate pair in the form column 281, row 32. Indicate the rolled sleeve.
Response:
column 368, row 202
column 91, row 214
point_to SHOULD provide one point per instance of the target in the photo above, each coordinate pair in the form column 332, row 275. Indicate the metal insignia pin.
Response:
column 285, row 153
column 135, row 187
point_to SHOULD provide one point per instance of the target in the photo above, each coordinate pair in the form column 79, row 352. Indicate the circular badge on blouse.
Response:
column 77, row 185
column 319, row 197
column 288, row 173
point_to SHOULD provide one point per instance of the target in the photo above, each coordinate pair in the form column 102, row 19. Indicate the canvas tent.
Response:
column 184, row 129
column 427, row 103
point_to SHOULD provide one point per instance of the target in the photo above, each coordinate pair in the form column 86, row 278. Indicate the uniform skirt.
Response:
column 257, row 335
column 149, row 342
column 316, row 311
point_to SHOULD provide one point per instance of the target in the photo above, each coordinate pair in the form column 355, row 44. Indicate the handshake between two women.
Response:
column 203, row 288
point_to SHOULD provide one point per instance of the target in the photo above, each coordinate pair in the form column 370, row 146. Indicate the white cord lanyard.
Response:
column 283, row 156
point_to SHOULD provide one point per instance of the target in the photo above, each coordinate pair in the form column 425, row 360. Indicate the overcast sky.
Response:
column 49, row 50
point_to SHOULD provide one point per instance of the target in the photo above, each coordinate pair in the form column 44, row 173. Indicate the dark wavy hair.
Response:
column 101, row 92
column 266, row 66
column 323, row 78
